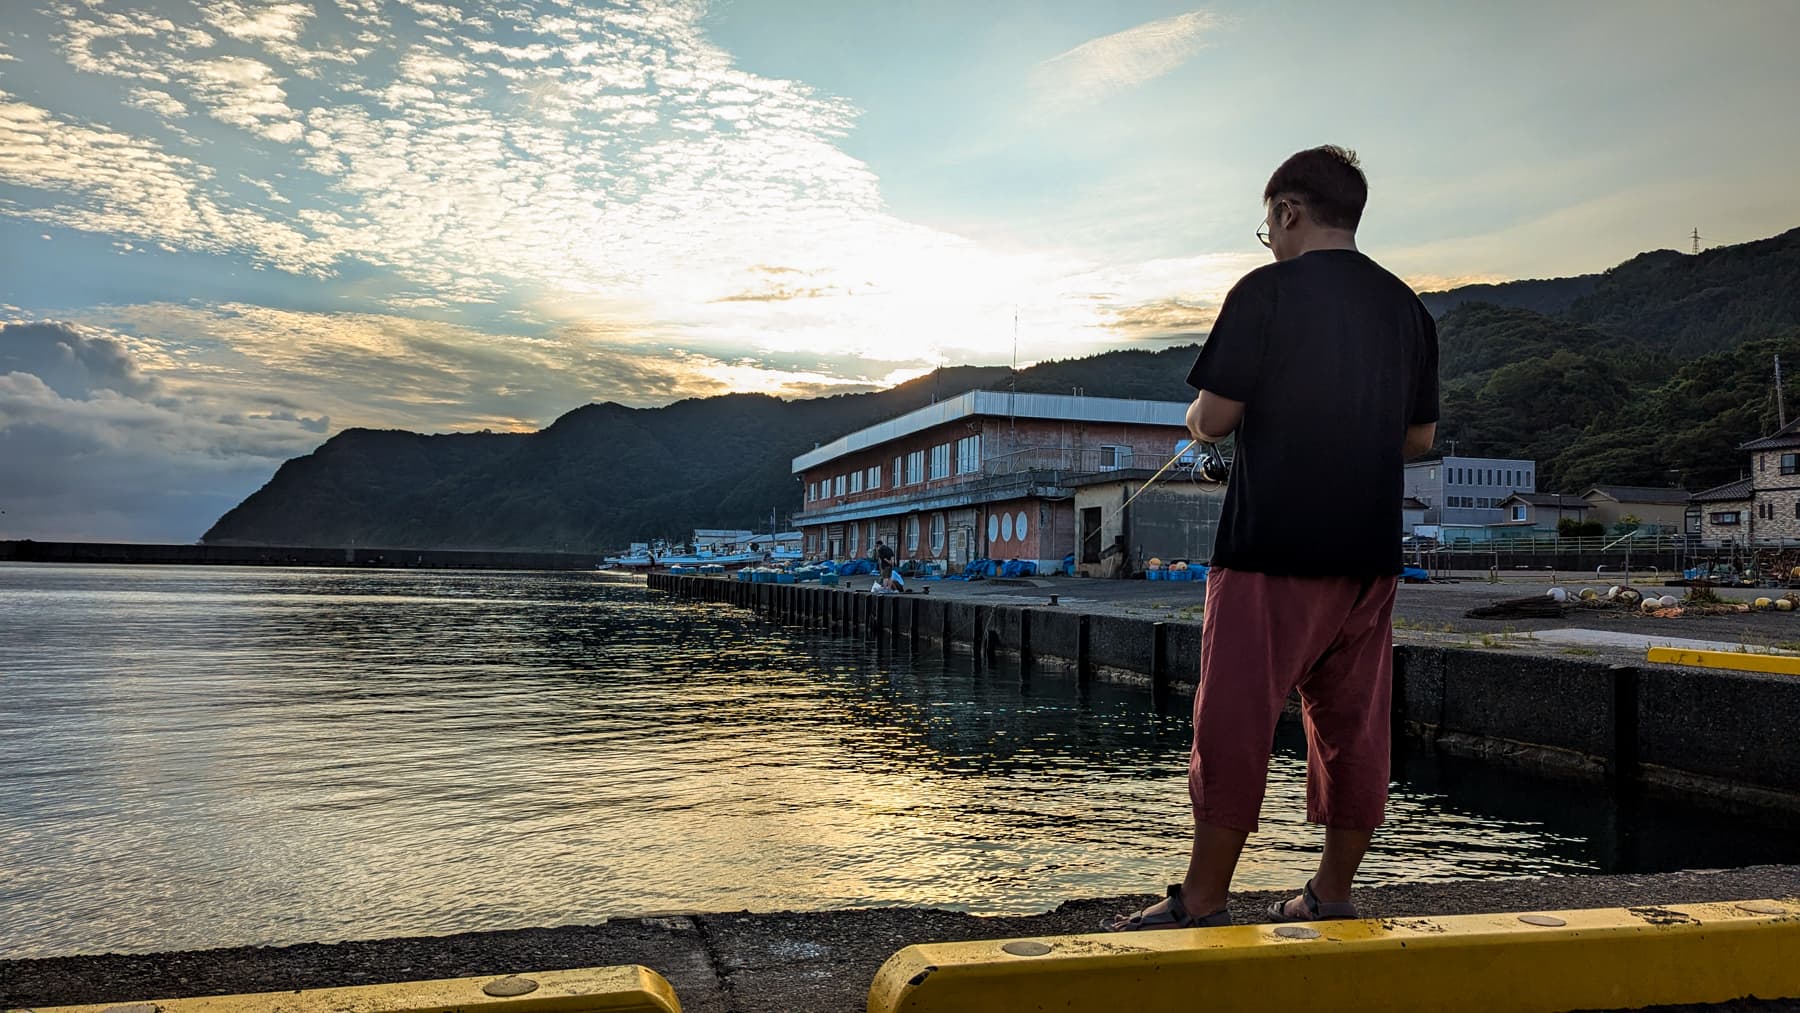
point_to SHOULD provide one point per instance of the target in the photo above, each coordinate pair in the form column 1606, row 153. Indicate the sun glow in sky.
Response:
column 230, row 228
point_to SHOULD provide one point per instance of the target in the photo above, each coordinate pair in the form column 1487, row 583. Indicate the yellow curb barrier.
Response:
column 625, row 989
column 1609, row 958
column 1740, row 661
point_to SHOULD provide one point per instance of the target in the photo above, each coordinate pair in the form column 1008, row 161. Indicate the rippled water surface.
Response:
column 196, row 757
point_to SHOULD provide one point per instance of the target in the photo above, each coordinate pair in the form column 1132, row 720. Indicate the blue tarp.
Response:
column 855, row 567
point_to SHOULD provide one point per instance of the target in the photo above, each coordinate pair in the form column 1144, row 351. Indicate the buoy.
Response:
column 1762, row 603
column 1558, row 594
column 1155, row 563
column 1650, row 604
column 1668, row 601
column 1589, row 594
column 1784, row 605
column 1613, row 592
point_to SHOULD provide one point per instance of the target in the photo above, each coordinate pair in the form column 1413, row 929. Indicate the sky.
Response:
column 232, row 228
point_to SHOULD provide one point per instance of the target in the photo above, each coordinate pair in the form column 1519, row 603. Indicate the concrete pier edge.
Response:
column 780, row 962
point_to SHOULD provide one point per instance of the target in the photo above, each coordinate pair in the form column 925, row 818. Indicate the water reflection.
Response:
column 213, row 756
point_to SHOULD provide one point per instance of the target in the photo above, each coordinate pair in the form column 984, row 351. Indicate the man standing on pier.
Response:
column 1324, row 366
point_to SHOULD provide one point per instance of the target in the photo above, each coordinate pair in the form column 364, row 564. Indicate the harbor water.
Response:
column 218, row 756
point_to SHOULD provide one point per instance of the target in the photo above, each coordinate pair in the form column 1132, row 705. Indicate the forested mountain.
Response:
column 603, row 475
column 1648, row 374
column 1653, row 376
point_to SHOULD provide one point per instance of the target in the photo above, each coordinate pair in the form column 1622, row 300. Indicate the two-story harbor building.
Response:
column 987, row 474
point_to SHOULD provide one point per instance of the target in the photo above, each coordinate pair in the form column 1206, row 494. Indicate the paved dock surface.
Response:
column 784, row 962
column 1433, row 613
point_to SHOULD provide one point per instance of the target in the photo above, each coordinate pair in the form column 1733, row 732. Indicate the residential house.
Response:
column 1656, row 509
column 1760, row 508
column 1534, row 512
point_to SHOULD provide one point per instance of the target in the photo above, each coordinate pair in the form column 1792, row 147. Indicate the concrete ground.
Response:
column 1435, row 613
column 784, row 962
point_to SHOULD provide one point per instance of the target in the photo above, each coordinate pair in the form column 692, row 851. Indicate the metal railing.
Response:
column 1062, row 459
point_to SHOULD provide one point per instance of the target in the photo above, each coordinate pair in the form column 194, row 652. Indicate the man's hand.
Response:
column 1211, row 418
column 1418, row 440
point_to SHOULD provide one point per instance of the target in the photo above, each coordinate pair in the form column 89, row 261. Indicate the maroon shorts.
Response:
column 1330, row 637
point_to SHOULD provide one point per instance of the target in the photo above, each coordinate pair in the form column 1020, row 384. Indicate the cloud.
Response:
column 1163, row 319
column 91, row 446
column 114, row 183
column 1112, row 63
column 75, row 362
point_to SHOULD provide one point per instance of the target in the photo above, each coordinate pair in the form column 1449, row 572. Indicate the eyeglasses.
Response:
column 1262, row 234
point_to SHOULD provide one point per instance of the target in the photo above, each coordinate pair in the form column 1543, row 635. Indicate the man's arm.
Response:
column 1211, row 418
column 1418, row 440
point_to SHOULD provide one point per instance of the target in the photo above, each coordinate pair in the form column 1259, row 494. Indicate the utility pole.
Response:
column 1012, row 396
column 1696, row 240
column 1780, row 403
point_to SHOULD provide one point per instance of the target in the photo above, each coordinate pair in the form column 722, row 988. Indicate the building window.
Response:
column 897, row 473
column 856, row 539
column 912, row 534
column 1019, row 527
column 1519, row 512
column 1528, row 485
column 968, row 455
column 875, row 477
column 993, row 527
column 940, row 461
column 1432, row 476
column 840, row 485
column 1109, row 458
column 1762, row 462
column 915, row 467
column 937, row 534
column 1725, row 518
column 1790, row 464
column 856, row 478
column 812, row 491
column 1006, row 527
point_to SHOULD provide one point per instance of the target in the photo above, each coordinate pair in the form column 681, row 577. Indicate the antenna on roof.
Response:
column 1012, row 395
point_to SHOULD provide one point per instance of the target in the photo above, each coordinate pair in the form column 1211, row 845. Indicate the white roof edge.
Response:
column 1067, row 407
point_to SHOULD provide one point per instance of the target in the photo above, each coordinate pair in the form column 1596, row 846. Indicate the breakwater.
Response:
column 1715, row 734
column 29, row 551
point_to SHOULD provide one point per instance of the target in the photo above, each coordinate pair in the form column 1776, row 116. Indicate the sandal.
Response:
column 1176, row 916
column 1316, row 910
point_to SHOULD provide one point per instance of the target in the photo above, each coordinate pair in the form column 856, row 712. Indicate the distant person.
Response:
column 1324, row 365
column 884, row 556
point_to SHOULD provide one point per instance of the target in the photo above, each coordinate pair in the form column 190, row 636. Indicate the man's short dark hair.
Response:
column 1328, row 180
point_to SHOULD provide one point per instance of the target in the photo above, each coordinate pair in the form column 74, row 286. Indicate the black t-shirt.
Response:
column 1333, row 358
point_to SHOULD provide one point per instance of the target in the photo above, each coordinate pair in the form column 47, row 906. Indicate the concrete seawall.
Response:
column 27, row 551
column 1707, row 733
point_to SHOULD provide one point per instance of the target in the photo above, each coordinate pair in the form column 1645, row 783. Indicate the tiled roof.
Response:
column 1551, row 499
column 1786, row 436
column 1738, row 490
column 1640, row 494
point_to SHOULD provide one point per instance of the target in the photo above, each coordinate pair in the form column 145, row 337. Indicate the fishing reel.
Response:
column 1211, row 466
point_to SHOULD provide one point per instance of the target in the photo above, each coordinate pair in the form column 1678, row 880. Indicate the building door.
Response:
column 1090, row 535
